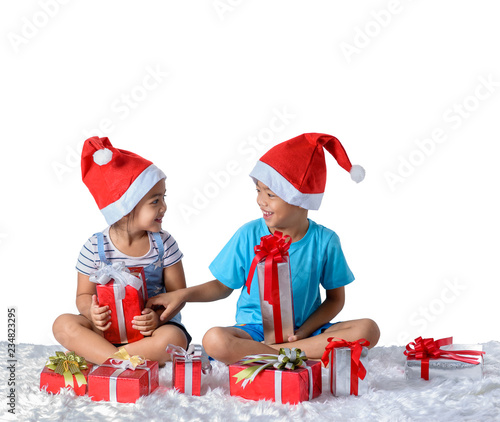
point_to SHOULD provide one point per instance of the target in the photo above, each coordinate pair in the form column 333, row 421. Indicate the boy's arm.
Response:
column 331, row 306
column 174, row 301
column 149, row 320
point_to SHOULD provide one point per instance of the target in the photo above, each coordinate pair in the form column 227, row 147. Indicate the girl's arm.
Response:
column 86, row 302
column 331, row 306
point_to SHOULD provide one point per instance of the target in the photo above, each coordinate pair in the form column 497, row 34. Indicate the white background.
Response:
column 420, row 233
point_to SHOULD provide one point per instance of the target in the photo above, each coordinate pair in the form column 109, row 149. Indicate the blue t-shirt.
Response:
column 315, row 259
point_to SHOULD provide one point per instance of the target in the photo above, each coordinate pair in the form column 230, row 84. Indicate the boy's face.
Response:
column 277, row 213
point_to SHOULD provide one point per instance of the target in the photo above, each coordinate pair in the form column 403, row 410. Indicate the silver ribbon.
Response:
column 118, row 272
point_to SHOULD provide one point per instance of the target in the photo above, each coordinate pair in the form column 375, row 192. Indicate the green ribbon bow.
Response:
column 67, row 365
column 287, row 359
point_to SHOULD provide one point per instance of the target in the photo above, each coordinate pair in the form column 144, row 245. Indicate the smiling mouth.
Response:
column 267, row 214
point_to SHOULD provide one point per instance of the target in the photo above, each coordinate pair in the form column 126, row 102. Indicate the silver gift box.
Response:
column 286, row 303
column 340, row 372
column 449, row 368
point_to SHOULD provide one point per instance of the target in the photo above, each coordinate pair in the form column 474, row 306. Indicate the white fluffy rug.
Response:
column 391, row 397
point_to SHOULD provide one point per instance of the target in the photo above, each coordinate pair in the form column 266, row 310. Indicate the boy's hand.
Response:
column 297, row 336
column 172, row 301
column 147, row 322
column 100, row 315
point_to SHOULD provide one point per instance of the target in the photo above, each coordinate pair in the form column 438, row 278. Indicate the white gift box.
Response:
column 449, row 368
column 285, row 303
column 340, row 372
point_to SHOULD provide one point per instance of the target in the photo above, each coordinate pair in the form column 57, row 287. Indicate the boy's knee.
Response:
column 215, row 342
column 371, row 330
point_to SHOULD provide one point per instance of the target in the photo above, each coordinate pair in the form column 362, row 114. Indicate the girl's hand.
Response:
column 100, row 315
column 147, row 322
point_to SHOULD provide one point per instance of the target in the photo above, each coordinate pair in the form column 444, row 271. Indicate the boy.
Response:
column 290, row 180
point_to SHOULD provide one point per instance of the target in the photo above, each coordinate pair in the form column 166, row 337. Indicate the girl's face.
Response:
column 149, row 212
column 277, row 213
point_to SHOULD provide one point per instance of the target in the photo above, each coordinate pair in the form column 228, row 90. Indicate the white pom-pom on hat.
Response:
column 357, row 173
column 102, row 156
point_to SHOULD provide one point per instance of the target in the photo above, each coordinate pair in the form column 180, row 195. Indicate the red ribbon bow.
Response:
column 358, row 370
column 425, row 349
column 274, row 249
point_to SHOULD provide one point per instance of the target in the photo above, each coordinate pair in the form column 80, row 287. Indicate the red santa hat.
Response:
column 117, row 179
column 295, row 170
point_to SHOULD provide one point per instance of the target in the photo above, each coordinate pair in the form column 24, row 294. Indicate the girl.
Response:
column 129, row 191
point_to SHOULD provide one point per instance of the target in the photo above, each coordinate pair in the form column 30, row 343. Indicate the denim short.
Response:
column 256, row 331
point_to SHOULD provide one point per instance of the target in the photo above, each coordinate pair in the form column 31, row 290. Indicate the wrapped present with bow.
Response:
column 187, row 367
column 124, row 291
column 275, row 286
column 65, row 370
column 283, row 378
column 347, row 360
column 428, row 358
column 123, row 378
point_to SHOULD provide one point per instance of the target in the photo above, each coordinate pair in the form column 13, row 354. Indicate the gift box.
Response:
column 280, row 385
column 124, row 291
column 187, row 367
column 429, row 358
column 115, row 381
column 347, row 371
column 275, row 287
column 65, row 370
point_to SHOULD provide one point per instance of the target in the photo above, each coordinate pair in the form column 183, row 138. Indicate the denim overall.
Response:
column 153, row 272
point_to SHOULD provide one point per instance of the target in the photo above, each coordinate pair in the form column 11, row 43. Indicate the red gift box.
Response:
column 187, row 368
column 282, row 386
column 123, row 311
column 53, row 382
column 109, row 382
column 186, row 375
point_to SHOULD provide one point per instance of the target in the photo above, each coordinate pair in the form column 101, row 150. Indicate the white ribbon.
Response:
column 113, row 379
column 118, row 272
column 277, row 386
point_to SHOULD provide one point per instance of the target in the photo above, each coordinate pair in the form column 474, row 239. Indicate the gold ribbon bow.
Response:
column 122, row 359
column 67, row 365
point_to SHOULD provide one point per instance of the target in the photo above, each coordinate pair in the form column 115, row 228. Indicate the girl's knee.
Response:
column 65, row 325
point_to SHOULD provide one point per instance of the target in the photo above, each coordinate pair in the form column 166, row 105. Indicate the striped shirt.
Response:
column 88, row 261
